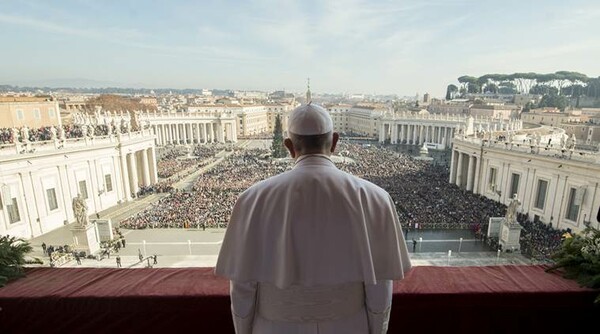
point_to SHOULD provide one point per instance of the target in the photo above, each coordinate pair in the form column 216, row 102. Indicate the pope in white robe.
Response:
column 314, row 249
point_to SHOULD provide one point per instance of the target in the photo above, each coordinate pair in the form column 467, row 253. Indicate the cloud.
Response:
column 134, row 39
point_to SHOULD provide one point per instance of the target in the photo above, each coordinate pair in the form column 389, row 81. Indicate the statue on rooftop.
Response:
column 91, row 130
column 25, row 134
column 15, row 135
column 84, row 131
column 53, row 133
column 61, row 133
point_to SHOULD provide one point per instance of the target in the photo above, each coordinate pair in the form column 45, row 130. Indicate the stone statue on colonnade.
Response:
column 61, row 133
column 15, row 135
column 53, row 133
column 25, row 134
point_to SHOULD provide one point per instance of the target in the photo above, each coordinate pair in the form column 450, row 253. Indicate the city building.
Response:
column 37, row 189
column 436, row 129
column 556, row 185
column 495, row 110
column 32, row 112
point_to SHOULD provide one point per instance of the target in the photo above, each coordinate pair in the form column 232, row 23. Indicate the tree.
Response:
column 277, row 148
column 554, row 100
column 450, row 91
column 12, row 258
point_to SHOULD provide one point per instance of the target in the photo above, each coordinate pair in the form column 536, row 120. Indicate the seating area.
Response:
column 493, row 299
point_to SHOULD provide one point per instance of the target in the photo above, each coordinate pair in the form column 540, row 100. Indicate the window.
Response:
column 13, row 211
column 83, row 189
column 51, row 196
column 540, row 197
column 36, row 113
column 20, row 115
column 492, row 179
column 573, row 207
column 108, row 183
column 514, row 184
column 51, row 113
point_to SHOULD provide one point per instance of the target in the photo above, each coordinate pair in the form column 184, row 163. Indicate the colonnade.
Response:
column 464, row 170
column 194, row 132
column 416, row 134
column 138, row 169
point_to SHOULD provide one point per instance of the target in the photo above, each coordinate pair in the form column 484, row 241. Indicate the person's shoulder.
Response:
column 263, row 185
column 367, row 186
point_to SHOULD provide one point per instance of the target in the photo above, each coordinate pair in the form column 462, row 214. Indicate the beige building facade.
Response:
column 33, row 112
column 555, row 186
column 37, row 189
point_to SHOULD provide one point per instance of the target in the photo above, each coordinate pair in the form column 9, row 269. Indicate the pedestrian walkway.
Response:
column 418, row 259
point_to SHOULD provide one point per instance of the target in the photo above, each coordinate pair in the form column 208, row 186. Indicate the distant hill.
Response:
column 95, row 90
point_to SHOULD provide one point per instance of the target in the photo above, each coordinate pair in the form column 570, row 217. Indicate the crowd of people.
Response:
column 423, row 196
column 212, row 197
column 427, row 201
column 538, row 240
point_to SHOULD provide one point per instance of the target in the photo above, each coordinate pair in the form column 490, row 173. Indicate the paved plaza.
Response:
column 199, row 248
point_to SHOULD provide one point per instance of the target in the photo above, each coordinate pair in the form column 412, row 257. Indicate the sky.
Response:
column 344, row 46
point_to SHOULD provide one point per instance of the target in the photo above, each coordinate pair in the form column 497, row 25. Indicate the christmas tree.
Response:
column 277, row 148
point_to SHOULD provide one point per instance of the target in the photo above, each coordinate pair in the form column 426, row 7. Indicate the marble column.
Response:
column 476, row 181
column 134, row 186
column 177, row 137
column 198, row 141
column 125, row 177
column 414, row 134
column 145, row 169
column 382, row 133
column 470, row 170
column 459, row 170
column 153, row 166
column 453, row 166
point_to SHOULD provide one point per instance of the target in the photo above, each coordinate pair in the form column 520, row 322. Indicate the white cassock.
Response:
column 313, row 250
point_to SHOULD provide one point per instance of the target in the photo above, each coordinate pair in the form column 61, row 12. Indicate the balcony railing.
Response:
column 494, row 299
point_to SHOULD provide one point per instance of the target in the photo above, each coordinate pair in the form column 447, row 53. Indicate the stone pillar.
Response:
column 427, row 128
column 177, row 137
column 394, row 138
column 453, row 163
column 125, row 177
column 204, row 135
column 459, row 169
column 476, row 181
column 470, row 173
column 212, row 133
column 220, row 131
column 382, row 132
column 145, row 168
column 414, row 134
column 234, row 131
column 134, row 185
column 153, row 166
column 198, row 133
